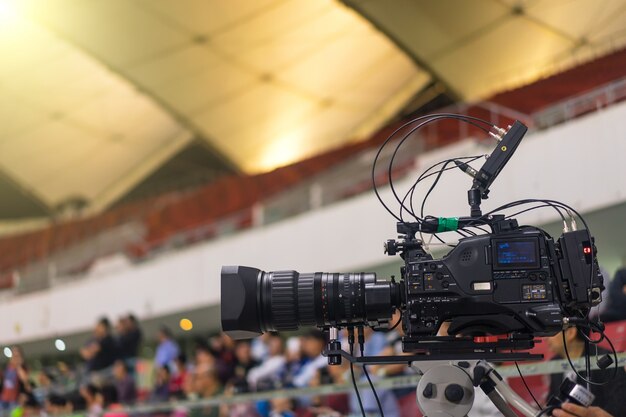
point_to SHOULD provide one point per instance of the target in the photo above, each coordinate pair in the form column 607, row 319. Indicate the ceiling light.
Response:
column 186, row 324
column 60, row 345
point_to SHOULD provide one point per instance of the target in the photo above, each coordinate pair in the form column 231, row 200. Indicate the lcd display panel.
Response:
column 516, row 253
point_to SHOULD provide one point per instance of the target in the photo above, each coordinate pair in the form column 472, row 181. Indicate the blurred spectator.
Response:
column 331, row 404
column 240, row 409
column 45, row 386
column 387, row 400
column 76, row 404
column 312, row 347
column 294, row 360
column 179, row 376
column 167, row 350
column 272, row 367
column 282, row 407
column 124, row 383
column 259, row 347
column 28, row 406
column 610, row 396
column 222, row 347
column 129, row 337
column 56, row 405
column 101, row 351
column 161, row 391
column 65, row 377
column 93, row 400
column 615, row 304
column 243, row 359
column 206, row 384
column 108, row 397
column 205, row 357
column 15, row 381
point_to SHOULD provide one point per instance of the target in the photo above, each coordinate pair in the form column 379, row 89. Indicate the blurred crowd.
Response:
column 218, row 365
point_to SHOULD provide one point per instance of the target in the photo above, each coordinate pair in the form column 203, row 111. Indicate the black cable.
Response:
column 430, row 190
column 395, row 325
column 527, row 210
column 367, row 375
column 519, row 371
column 356, row 388
column 432, row 187
column 423, row 176
column 391, row 136
column 410, row 192
column 546, row 410
column 434, row 118
column 587, row 364
column 589, row 381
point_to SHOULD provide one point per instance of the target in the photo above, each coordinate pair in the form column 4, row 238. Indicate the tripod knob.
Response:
column 429, row 391
column 454, row 393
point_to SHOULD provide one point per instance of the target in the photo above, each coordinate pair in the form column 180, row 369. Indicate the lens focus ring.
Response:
column 306, row 299
column 347, row 298
column 284, row 300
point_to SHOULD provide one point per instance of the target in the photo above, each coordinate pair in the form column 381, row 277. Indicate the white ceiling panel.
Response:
column 477, row 74
column 208, row 16
column 477, row 48
column 64, row 115
column 340, row 62
column 271, row 25
column 212, row 86
column 330, row 25
column 263, row 111
column 188, row 61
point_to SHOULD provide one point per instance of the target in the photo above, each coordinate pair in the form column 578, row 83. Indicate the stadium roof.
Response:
column 475, row 48
column 98, row 96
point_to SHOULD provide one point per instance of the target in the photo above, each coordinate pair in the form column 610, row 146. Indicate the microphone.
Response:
column 466, row 168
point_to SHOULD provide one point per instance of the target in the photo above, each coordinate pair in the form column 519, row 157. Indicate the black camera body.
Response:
column 515, row 281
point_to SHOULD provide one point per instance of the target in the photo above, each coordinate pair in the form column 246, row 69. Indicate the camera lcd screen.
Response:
column 516, row 253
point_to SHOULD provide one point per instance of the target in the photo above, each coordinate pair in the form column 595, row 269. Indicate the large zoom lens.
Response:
column 254, row 301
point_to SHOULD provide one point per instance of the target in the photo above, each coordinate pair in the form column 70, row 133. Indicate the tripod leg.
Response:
column 497, row 400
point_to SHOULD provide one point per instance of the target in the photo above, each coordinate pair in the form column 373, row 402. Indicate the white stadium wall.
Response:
column 581, row 163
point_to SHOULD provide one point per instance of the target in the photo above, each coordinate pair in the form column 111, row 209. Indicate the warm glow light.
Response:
column 186, row 324
column 60, row 345
column 8, row 13
column 283, row 151
column 7, row 352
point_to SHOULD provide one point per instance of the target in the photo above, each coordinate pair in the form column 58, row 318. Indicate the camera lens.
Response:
column 254, row 301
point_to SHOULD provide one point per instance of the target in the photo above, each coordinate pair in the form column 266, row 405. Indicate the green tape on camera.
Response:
column 447, row 224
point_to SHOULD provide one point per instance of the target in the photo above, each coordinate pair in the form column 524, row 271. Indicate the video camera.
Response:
column 497, row 290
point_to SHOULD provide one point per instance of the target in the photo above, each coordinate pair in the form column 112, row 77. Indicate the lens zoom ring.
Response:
column 284, row 301
column 306, row 300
